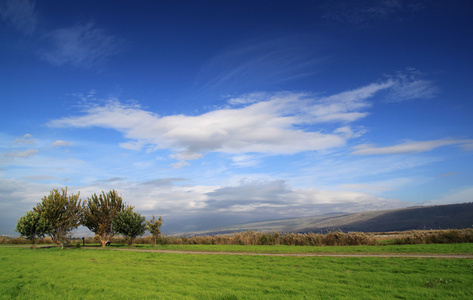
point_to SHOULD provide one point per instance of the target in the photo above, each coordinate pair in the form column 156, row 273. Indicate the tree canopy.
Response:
column 105, row 214
column 130, row 224
column 32, row 226
column 154, row 227
column 99, row 212
column 62, row 214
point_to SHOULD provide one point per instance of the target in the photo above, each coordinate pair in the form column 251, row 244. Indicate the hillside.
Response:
column 453, row 216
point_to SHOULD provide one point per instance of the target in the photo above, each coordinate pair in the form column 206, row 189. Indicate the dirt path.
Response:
column 470, row 256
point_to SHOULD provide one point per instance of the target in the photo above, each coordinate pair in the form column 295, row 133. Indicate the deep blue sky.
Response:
column 218, row 112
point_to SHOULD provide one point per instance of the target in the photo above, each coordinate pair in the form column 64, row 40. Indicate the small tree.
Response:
column 154, row 227
column 32, row 226
column 62, row 214
column 130, row 224
column 99, row 212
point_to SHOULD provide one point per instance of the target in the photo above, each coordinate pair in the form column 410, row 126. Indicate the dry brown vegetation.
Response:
column 335, row 238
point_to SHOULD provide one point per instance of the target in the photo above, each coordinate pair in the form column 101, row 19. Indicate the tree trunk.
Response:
column 105, row 239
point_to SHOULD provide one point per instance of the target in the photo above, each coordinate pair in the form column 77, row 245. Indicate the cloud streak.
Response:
column 362, row 12
column 22, row 154
column 82, row 45
column 260, row 62
column 21, row 14
column 61, row 143
column 409, row 147
column 410, row 85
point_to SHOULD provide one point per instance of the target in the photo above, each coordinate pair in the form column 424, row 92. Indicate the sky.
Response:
column 211, row 113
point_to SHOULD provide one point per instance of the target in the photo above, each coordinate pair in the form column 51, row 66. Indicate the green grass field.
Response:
column 82, row 273
column 466, row 248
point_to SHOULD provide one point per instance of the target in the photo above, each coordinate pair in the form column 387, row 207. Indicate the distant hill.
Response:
column 453, row 216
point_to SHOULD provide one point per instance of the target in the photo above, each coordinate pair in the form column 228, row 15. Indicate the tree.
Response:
column 130, row 224
column 154, row 227
column 62, row 214
column 99, row 212
column 32, row 226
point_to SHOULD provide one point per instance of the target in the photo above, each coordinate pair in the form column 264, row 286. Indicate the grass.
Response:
column 82, row 274
column 466, row 248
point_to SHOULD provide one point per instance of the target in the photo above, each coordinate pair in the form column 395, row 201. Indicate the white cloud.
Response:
column 186, row 155
column 348, row 132
column 26, row 139
column 61, row 143
column 268, row 123
column 246, row 160
column 21, row 14
column 409, row 147
column 82, row 45
column 180, row 164
column 22, row 154
column 16, row 198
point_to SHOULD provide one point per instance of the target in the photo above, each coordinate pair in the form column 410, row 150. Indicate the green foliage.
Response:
column 154, row 227
column 459, row 249
column 99, row 212
column 32, row 226
column 61, row 212
column 130, row 224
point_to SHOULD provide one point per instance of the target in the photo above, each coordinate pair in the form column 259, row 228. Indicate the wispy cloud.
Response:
column 446, row 174
column 408, row 147
column 21, row 14
column 347, row 106
column 61, row 143
column 26, row 139
column 40, row 178
column 410, row 85
column 25, row 153
column 82, row 45
column 458, row 196
column 260, row 63
column 362, row 12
